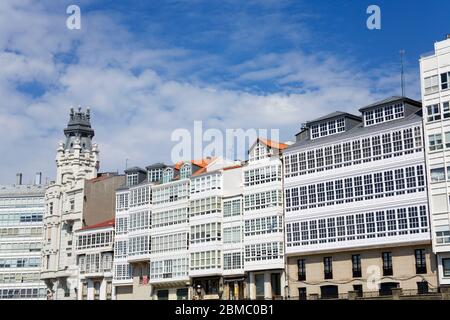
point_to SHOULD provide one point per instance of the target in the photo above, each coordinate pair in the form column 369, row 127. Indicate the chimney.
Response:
column 38, row 179
column 19, row 179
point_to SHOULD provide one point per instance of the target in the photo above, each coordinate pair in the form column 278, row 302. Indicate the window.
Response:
column 232, row 208
column 356, row 265
column 446, row 110
column 444, row 80
column 447, row 139
column 433, row 112
column 421, row 264
column 302, row 293
column 358, row 288
column 422, row 287
column 186, row 171
column 328, row 267
column 167, row 175
column 132, row 179
column 435, row 142
column 437, row 174
column 431, row 84
column 387, row 263
column 446, row 267
column 327, row 128
column 301, row 264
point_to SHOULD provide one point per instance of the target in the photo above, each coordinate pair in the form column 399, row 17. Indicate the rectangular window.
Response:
column 435, row 142
column 421, row 264
column 437, row 174
column 446, row 267
column 356, row 265
column 328, row 267
column 446, row 110
column 444, row 80
column 431, row 84
column 301, row 264
column 433, row 113
column 387, row 264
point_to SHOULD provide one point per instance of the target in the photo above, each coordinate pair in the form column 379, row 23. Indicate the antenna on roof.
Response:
column 402, row 53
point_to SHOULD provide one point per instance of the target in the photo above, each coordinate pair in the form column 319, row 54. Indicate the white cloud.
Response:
column 139, row 94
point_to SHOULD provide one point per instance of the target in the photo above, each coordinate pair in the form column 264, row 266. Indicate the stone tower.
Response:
column 76, row 161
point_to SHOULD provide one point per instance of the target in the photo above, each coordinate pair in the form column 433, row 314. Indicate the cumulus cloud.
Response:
column 140, row 91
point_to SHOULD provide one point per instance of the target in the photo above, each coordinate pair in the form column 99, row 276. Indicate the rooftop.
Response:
column 104, row 224
column 358, row 130
column 22, row 190
column 391, row 100
column 335, row 114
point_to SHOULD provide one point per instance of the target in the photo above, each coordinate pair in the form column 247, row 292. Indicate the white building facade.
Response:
column 356, row 201
column 76, row 161
column 435, row 78
column 21, row 214
column 263, row 217
column 94, row 251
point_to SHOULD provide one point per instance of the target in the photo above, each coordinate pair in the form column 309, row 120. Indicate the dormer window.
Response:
column 260, row 151
column 384, row 114
column 167, row 175
column 132, row 179
column 327, row 128
column 186, row 171
column 154, row 175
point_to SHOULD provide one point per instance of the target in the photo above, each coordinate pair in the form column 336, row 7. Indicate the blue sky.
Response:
column 148, row 67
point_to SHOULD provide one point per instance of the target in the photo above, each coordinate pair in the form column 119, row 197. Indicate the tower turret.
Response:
column 79, row 128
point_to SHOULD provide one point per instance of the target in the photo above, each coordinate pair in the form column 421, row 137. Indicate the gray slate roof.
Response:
column 391, row 100
column 358, row 130
column 334, row 115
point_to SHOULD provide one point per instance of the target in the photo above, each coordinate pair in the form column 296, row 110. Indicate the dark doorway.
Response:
column 275, row 283
column 329, row 292
column 386, row 288
column 163, row 294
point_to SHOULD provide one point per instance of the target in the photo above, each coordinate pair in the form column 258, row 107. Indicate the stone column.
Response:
column 226, row 291
column 102, row 295
column 267, row 286
column 251, row 287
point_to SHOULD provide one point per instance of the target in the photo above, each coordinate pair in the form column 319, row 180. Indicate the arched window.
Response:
column 186, row 171
column 168, row 175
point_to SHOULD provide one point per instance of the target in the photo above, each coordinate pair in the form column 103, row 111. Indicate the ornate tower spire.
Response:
column 79, row 130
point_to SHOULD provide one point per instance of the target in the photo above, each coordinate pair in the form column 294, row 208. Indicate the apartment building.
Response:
column 435, row 78
column 356, row 208
column 79, row 197
column 21, row 211
column 263, row 224
column 168, row 230
column 215, row 235
column 94, row 251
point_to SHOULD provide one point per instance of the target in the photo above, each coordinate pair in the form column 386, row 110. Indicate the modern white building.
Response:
column 356, row 203
column 435, row 84
column 21, row 213
column 169, row 230
column 263, row 224
column 94, row 250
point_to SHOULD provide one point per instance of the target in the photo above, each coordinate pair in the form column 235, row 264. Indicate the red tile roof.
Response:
column 203, row 163
column 273, row 144
column 107, row 223
column 232, row 167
